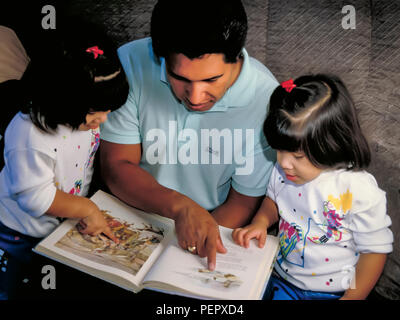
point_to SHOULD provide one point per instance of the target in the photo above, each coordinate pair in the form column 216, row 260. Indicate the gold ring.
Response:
column 192, row 249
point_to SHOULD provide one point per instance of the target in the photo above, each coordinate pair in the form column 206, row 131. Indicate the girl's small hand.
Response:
column 242, row 236
column 95, row 224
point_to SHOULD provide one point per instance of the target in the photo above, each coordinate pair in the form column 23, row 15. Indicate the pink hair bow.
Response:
column 95, row 50
column 288, row 85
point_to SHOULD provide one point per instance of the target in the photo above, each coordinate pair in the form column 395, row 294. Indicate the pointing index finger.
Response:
column 211, row 249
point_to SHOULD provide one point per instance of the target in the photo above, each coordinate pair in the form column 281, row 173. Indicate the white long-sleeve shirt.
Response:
column 38, row 163
column 325, row 224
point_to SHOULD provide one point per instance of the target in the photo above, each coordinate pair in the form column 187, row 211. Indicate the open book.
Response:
column 148, row 256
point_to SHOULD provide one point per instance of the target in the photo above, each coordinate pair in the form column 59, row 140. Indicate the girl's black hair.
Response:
column 62, row 83
column 195, row 28
column 317, row 117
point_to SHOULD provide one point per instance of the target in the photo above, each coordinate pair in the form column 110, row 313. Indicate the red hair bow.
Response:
column 288, row 85
column 96, row 51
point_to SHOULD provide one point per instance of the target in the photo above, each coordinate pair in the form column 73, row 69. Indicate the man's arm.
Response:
column 237, row 210
column 129, row 182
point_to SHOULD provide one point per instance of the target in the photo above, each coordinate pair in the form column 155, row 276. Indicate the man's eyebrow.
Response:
column 178, row 77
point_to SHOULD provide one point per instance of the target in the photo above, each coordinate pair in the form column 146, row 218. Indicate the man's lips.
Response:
column 197, row 106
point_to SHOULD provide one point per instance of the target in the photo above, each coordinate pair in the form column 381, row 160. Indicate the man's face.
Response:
column 201, row 82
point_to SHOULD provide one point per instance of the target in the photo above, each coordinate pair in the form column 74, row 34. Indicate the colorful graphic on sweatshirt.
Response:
column 291, row 238
column 334, row 211
column 77, row 187
column 95, row 145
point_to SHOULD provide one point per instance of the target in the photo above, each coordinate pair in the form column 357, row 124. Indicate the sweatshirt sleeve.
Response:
column 31, row 180
column 272, row 187
column 369, row 220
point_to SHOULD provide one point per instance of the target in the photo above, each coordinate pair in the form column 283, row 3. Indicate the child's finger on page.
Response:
column 262, row 240
column 235, row 235
column 239, row 236
column 94, row 231
column 107, row 231
column 220, row 246
column 81, row 225
column 250, row 235
column 242, row 237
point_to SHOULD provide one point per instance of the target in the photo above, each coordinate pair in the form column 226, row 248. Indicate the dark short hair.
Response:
column 62, row 82
column 319, row 118
column 195, row 28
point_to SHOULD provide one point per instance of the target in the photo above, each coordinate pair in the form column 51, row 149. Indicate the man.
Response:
column 188, row 143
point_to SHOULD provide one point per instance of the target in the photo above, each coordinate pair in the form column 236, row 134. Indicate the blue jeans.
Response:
column 15, row 258
column 280, row 289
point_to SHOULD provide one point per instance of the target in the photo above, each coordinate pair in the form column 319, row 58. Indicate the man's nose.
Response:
column 195, row 93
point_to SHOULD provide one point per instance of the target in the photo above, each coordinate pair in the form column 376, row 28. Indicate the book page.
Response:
column 238, row 274
column 142, row 237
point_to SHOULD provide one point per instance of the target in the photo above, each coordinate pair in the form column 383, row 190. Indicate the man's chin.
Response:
column 202, row 107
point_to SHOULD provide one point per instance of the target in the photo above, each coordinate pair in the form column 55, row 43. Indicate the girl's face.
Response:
column 297, row 167
column 94, row 119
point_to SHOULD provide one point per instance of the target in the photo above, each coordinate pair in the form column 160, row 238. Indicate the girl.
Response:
column 50, row 145
column 333, row 226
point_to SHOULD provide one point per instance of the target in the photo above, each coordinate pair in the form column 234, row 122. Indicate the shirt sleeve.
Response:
column 272, row 188
column 369, row 221
column 122, row 125
column 252, row 178
column 31, row 180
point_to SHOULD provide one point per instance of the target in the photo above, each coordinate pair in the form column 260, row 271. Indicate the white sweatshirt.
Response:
column 38, row 163
column 325, row 224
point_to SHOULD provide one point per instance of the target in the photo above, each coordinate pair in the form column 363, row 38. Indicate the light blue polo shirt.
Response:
column 199, row 154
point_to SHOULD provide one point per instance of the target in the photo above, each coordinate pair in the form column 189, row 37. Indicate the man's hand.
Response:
column 195, row 227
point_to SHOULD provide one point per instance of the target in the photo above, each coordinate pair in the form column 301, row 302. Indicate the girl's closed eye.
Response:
column 299, row 155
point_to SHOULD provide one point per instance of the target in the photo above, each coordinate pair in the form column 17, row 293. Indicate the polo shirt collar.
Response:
column 163, row 76
column 239, row 94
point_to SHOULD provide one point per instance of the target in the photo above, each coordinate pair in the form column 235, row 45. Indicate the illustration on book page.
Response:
column 136, row 243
